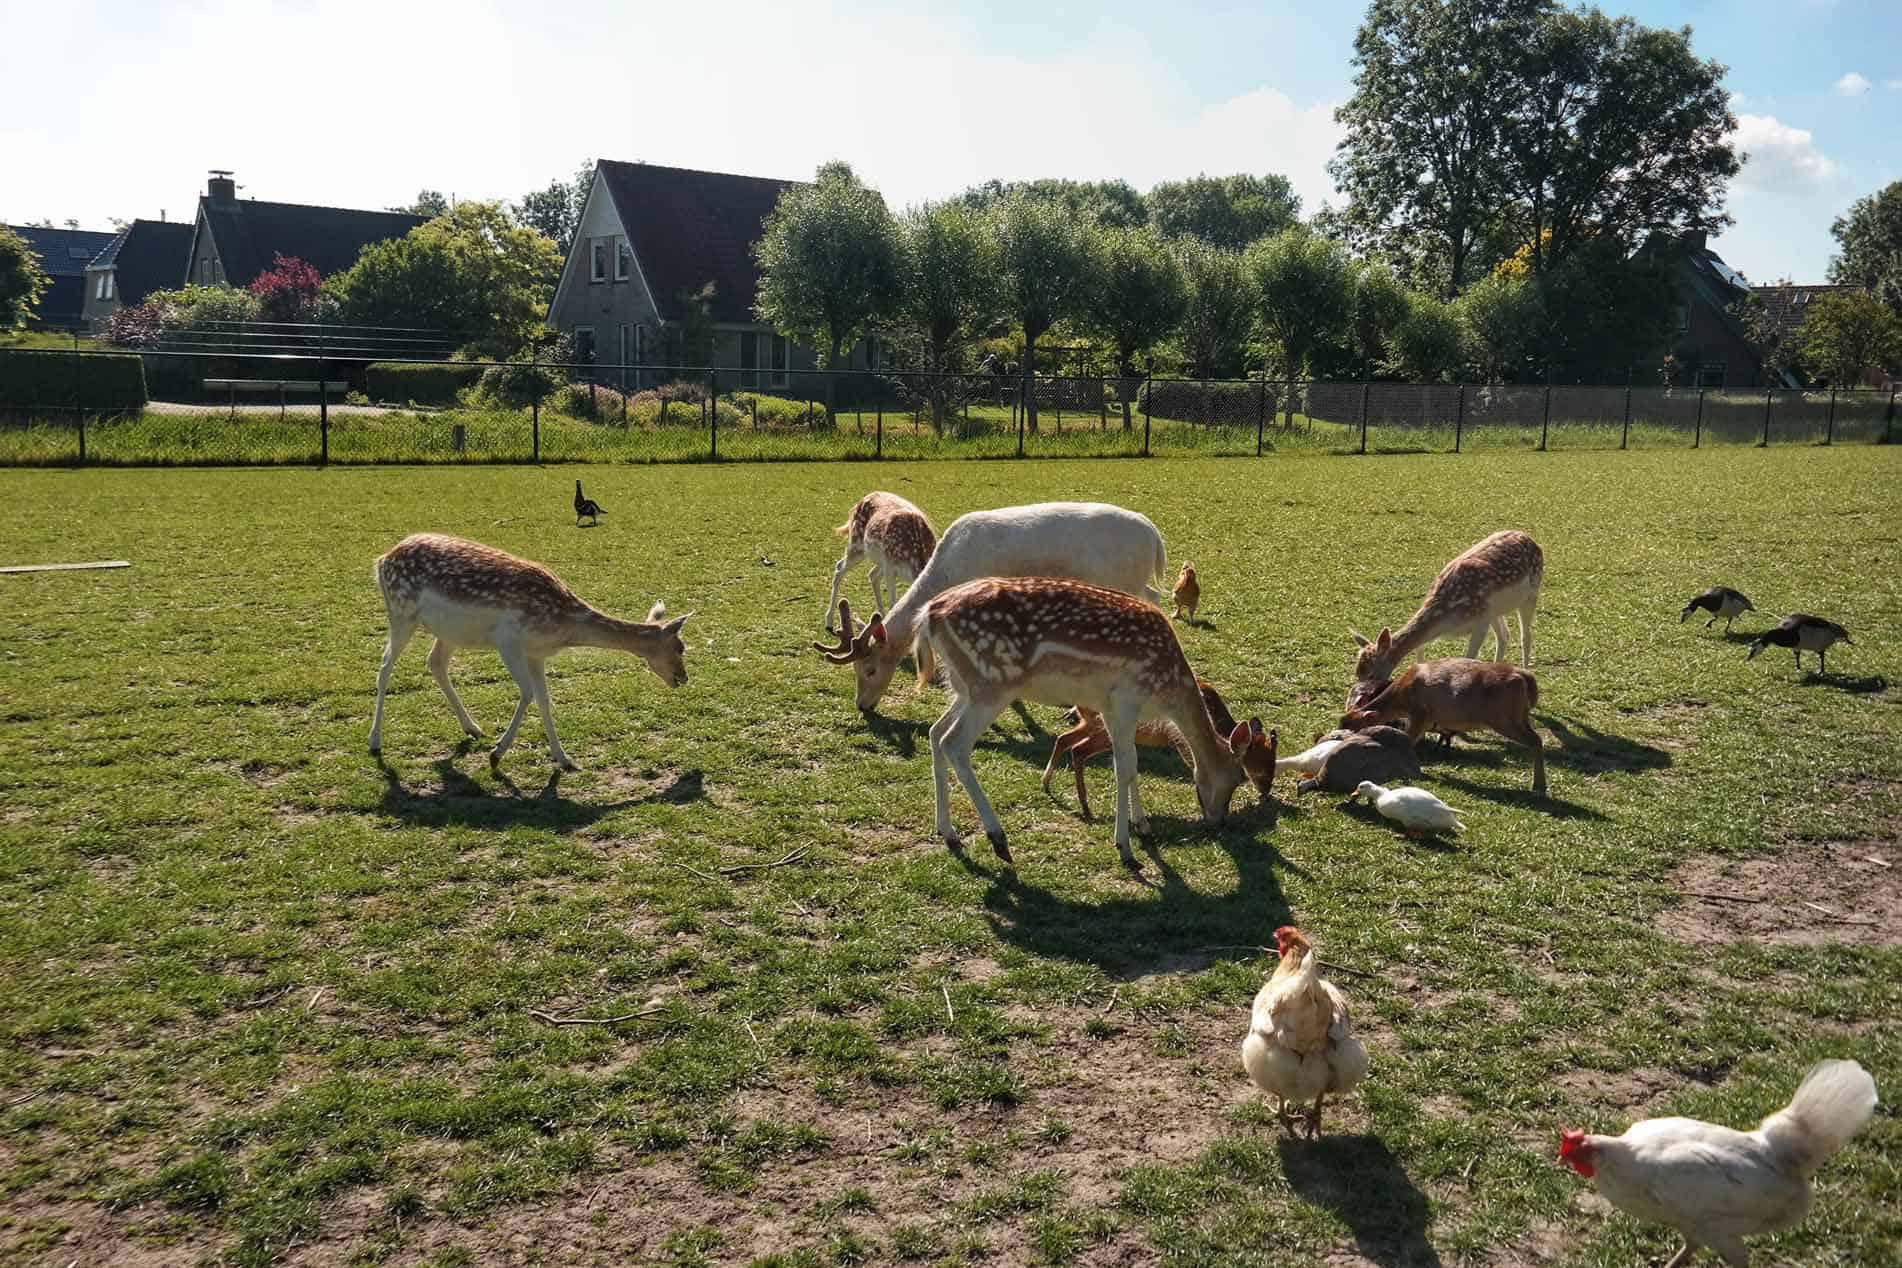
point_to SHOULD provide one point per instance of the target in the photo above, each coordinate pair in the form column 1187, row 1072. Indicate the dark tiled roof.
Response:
column 147, row 256
column 64, row 252
column 690, row 228
column 1788, row 304
column 250, row 234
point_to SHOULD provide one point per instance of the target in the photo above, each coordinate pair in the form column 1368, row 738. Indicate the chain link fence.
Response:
column 237, row 407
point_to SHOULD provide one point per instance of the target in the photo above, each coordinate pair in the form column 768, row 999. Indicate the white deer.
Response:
column 1471, row 595
column 1085, row 541
column 471, row 595
column 1064, row 642
column 890, row 533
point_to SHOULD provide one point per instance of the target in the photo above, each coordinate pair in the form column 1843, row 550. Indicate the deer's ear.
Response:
column 656, row 612
column 1358, row 640
column 673, row 626
column 1385, row 642
column 1254, row 726
column 876, row 630
column 1238, row 739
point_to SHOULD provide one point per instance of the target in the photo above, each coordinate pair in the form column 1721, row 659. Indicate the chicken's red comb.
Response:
column 1571, row 1140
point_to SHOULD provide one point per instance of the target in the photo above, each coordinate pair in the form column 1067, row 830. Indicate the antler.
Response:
column 850, row 647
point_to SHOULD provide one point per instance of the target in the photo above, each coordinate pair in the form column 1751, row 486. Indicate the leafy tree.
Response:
column 1421, row 160
column 1776, row 348
column 287, row 291
column 1847, row 332
column 1045, row 259
column 22, row 280
column 471, row 271
column 1871, row 240
column 950, row 291
column 1378, row 305
column 691, row 340
column 1110, row 204
column 1302, row 289
column 1426, row 343
column 1225, row 211
column 555, row 212
column 1219, row 312
column 1605, row 311
column 1136, row 300
column 1500, row 318
column 429, row 203
column 828, row 262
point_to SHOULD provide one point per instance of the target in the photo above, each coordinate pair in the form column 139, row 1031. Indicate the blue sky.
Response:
column 116, row 107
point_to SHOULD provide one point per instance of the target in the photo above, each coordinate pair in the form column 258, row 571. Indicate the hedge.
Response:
column 418, row 384
column 99, row 382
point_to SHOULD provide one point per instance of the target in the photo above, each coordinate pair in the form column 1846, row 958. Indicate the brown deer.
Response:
column 1471, row 595
column 1089, row 737
column 1458, row 694
column 471, row 595
column 894, row 536
column 1058, row 642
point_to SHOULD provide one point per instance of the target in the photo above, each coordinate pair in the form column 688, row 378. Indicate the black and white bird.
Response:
column 1718, row 601
column 585, row 506
column 1803, row 633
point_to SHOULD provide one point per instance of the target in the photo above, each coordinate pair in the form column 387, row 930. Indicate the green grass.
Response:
column 264, row 998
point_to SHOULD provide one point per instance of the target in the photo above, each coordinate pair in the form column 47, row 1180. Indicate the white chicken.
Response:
column 1716, row 1185
column 1301, row 1043
column 1414, row 809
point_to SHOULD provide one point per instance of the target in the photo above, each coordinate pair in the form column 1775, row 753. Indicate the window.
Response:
column 778, row 358
column 623, row 260
column 104, row 289
column 584, row 345
column 1711, row 374
column 218, row 271
column 600, row 254
column 762, row 351
column 871, row 352
column 1683, row 318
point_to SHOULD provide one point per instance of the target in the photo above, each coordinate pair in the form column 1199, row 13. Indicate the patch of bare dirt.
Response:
column 1810, row 894
column 1637, row 1090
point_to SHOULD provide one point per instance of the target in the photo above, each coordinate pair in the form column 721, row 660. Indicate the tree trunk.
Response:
column 832, row 385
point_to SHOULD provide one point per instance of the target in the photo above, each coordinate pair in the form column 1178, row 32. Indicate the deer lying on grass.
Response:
column 1471, row 595
column 1089, row 737
column 1087, row 541
column 890, row 533
column 471, row 595
column 1058, row 642
column 1459, row 694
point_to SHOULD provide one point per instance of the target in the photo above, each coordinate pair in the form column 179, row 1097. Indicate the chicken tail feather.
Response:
column 1831, row 1104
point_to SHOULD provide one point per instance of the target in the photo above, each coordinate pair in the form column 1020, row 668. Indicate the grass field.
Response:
column 265, row 999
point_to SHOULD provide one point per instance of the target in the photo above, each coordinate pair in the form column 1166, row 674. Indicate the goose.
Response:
column 1718, row 601
column 1801, row 633
column 1415, row 809
column 585, row 506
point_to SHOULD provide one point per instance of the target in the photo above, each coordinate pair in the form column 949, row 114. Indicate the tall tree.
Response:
column 1110, row 203
column 1501, row 317
column 950, row 292
column 1421, row 159
column 1426, row 343
column 1377, row 307
column 428, row 203
column 1219, row 310
column 1302, row 288
column 1848, row 332
column 828, row 262
column 1871, row 240
column 1224, row 211
column 22, row 280
column 1045, row 257
column 1135, row 301
column 555, row 211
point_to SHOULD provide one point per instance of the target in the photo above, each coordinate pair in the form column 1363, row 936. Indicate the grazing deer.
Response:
column 1038, row 638
column 1460, row 694
column 1089, row 737
column 894, row 536
column 471, row 595
column 1086, row 541
column 1470, row 596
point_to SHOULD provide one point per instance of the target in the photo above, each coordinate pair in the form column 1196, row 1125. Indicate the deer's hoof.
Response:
column 999, row 844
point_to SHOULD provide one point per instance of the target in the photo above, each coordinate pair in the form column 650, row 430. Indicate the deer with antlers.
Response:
column 1060, row 642
column 891, row 534
column 1471, row 596
column 471, row 595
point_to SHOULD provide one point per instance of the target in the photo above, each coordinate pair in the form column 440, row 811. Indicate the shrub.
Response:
column 418, row 384
column 598, row 404
column 101, row 382
column 288, row 291
column 515, row 385
column 774, row 411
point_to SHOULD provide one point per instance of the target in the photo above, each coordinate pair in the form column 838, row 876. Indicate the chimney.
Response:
column 1693, row 239
column 221, row 188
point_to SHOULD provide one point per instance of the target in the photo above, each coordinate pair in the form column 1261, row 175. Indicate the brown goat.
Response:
column 1458, row 694
column 1088, row 738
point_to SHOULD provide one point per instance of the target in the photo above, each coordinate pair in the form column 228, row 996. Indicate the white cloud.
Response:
column 1851, row 85
column 1892, row 83
column 1779, row 157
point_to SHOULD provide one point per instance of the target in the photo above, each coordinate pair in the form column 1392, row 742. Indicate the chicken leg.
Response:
column 1682, row 1257
column 1314, row 1117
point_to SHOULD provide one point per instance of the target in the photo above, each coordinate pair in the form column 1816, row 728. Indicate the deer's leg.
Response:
column 1525, row 633
column 402, row 629
column 1525, row 734
column 1499, row 637
column 1121, row 724
column 1476, row 640
column 940, row 770
column 876, row 575
column 839, row 569
column 439, row 669
column 1068, row 743
column 956, row 743
column 548, row 716
column 518, row 667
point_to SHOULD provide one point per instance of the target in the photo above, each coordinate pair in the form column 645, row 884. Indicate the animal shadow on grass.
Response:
column 1541, row 803
column 907, row 738
column 1580, row 747
column 1864, row 686
column 1441, row 842
column 1359, row 1179
column 462, row 800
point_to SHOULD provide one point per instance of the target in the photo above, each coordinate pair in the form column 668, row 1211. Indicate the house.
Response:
column 650, row 239
column 235, row 239
column 64, row 254
column 1711, row 346
column 145, row 256
column 1787, row 305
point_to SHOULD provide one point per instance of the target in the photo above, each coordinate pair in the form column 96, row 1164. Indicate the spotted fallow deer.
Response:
column 891, row 534
column 1471, row 595
column 471, row 595
column 1060, row 642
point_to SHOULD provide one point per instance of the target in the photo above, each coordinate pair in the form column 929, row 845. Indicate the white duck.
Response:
column 1415, row 809
column 1308, row 761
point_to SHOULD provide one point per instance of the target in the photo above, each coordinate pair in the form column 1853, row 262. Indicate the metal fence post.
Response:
column 535, row 412
column 1545, row 424
column 1697, row 436
column 1888, row 420
column 713, row 415
column 1829, row 432
column 1149, row 384
column 323, row 406
column 1261, row 411
column 79, row 409
column 1365, row 387
column 1767, row 392
column 1459, row 419
column 878, row 421
column 1023, row 414
column 1624, row 442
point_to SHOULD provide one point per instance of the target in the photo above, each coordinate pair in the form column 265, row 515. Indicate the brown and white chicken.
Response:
column 1301, row 1043
column 1188, row 592
column 1716, row 1185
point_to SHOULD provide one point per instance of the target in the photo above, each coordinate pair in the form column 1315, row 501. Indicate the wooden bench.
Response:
column 280, row 386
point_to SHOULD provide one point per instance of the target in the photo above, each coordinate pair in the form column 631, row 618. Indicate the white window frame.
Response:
column 623, row 256
column 598, row 260
column 103, row 290
column 575, row 333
